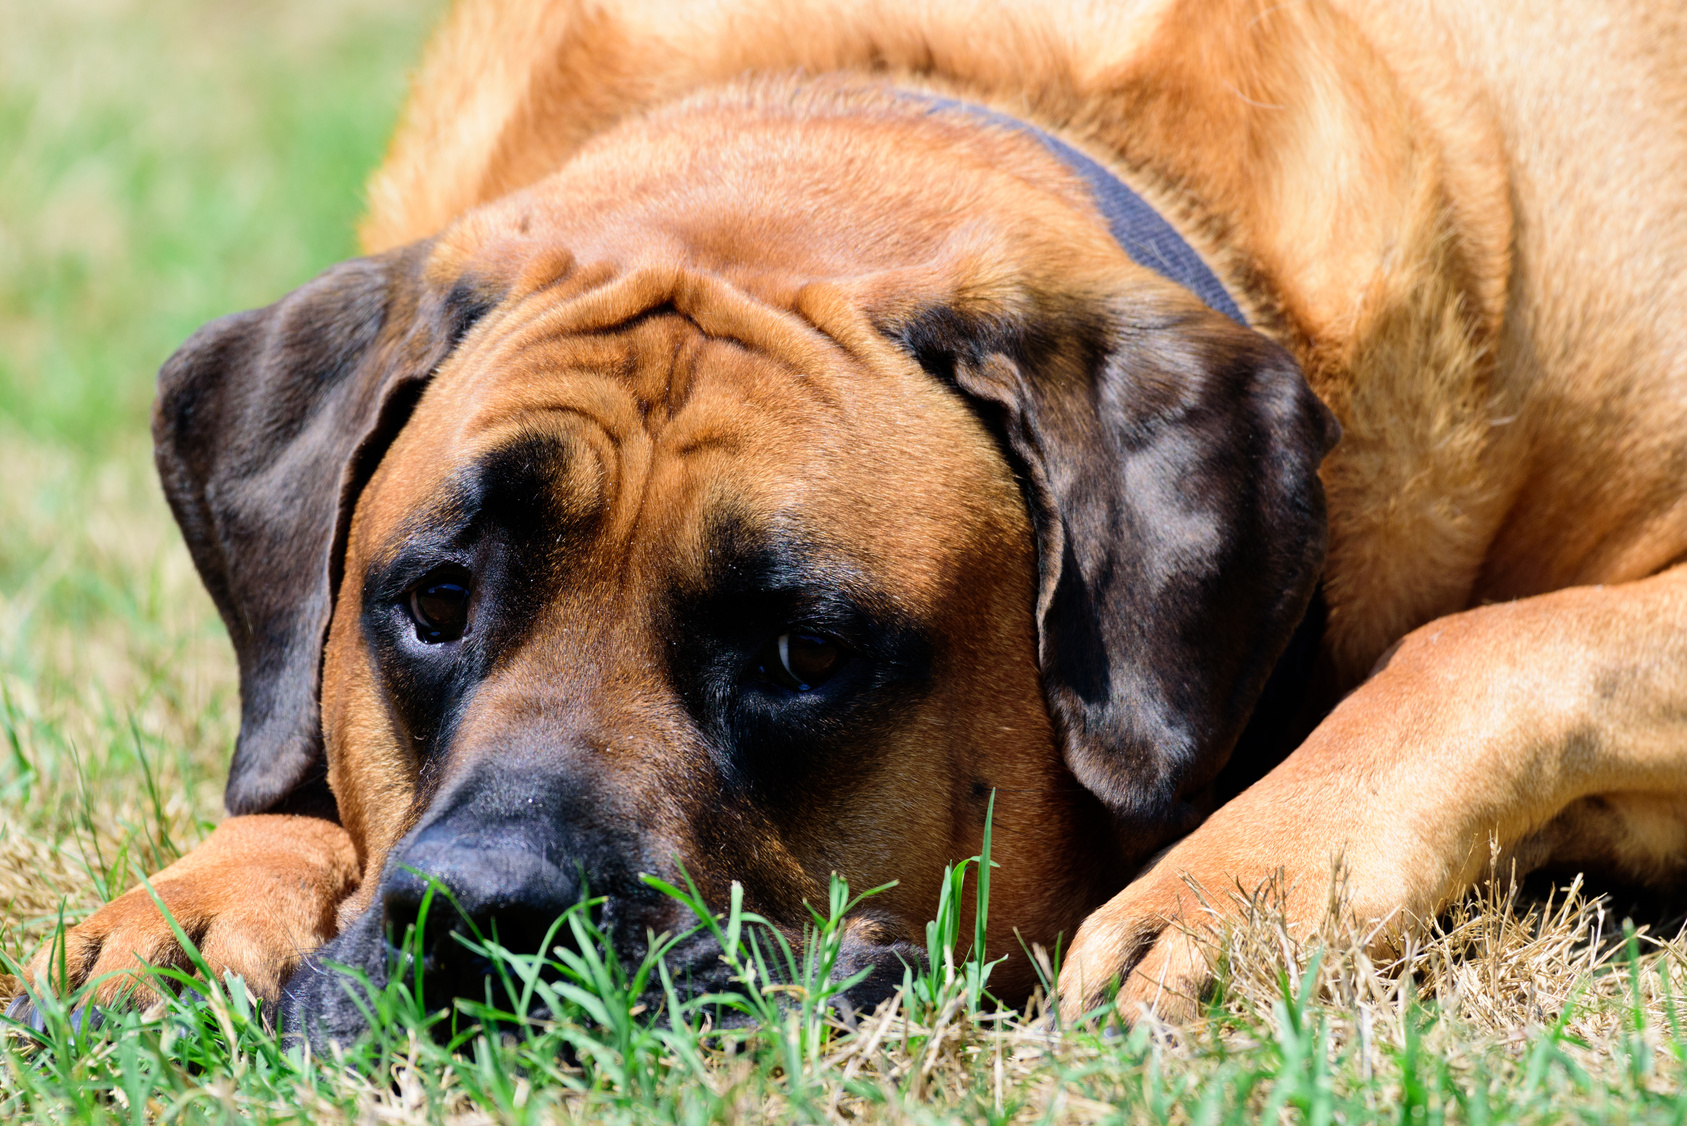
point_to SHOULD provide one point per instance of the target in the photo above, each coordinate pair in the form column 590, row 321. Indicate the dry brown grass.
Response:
column 108, row 642
column 113, row 667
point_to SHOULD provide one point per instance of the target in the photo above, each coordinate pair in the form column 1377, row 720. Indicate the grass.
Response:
column 164, row 162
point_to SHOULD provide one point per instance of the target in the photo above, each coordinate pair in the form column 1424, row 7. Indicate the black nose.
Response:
column 499, row 891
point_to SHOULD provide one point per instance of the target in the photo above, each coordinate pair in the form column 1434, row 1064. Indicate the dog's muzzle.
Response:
column 505, row 852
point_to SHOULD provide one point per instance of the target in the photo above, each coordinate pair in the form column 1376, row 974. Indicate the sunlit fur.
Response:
column 1465, row 220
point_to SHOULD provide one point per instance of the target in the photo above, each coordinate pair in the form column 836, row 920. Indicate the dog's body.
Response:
column 1007, row 458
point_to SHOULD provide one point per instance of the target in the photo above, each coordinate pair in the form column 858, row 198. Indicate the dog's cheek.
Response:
column 371, row 773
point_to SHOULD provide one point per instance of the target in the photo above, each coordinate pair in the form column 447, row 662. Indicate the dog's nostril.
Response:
column 441, row 923
column 419, row 922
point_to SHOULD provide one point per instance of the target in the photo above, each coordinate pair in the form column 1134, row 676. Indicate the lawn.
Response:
column 162, row 163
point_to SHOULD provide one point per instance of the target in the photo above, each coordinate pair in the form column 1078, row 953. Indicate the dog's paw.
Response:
column 1153, row 948
column 256, row 897
column 1150, row 944
column 109, row 946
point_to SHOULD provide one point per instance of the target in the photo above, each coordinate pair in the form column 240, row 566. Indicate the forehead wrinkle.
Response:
column 589, row 397
column 683, row 369
column 657, row 388
column 664, row 379
column 606, row 297
column 647, row 278
column 598, row 417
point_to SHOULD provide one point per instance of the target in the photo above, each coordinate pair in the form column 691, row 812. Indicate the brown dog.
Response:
column 739, row 453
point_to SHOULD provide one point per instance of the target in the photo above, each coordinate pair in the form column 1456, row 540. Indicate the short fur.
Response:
column 755, row 336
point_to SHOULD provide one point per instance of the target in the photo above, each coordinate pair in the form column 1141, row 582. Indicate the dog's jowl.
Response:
column 1229, row 437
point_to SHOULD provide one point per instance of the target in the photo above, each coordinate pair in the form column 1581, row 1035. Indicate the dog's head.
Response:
column 760, row 494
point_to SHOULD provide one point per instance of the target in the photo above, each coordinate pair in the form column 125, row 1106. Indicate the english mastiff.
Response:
column 761, row 431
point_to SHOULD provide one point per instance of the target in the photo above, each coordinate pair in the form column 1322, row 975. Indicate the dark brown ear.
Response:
column 1170, row 462
column 267, row 424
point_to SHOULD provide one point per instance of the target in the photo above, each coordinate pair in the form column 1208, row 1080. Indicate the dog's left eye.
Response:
column 440, row 607
column 800, row 661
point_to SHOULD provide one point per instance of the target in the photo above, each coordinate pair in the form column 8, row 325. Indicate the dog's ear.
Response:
column 1170, row 459
column 266, row 426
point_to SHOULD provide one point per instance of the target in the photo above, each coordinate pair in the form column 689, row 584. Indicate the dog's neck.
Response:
column 1139, row 229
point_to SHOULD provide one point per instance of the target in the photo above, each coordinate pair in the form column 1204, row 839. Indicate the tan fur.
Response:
column 678, row 408
column 1466, row 239
column 1465, row 220
column 1318, row 176
column 255, row 897
column 1551, row 726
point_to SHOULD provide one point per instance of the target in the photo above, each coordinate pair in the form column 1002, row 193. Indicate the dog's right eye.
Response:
column 440, row 607
column 800, row 661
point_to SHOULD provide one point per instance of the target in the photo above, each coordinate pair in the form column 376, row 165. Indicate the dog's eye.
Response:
column 440, row 606
column 801, row 661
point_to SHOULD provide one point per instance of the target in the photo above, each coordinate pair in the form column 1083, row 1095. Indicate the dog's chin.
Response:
column 329, row 998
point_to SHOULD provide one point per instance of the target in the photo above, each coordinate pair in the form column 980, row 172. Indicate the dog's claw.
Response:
column 26, row 1012
column 23, row 1010
column 86, row 1018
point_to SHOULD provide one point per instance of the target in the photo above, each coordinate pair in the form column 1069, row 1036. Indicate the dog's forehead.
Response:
column 658, row 431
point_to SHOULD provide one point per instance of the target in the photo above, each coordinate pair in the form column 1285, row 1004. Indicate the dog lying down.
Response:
column 762, row 432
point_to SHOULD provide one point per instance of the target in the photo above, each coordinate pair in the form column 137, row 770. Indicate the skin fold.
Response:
column 685, row 329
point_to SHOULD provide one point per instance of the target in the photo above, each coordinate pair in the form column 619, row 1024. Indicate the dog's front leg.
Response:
column 255, row 897
column 1507, row 723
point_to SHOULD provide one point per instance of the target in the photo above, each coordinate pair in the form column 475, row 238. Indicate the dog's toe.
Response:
column 1168, row 982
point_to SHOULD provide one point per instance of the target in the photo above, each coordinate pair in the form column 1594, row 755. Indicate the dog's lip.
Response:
column 316, row 1004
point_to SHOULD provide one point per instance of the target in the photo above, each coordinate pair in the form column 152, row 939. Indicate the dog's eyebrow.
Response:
column 763, row 575
column 436, row 531
column 745, row 557
column 448, row 520
column 742, row 551
column 511, row 486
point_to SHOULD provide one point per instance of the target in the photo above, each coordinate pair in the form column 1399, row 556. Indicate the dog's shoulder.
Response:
column 509, row 89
